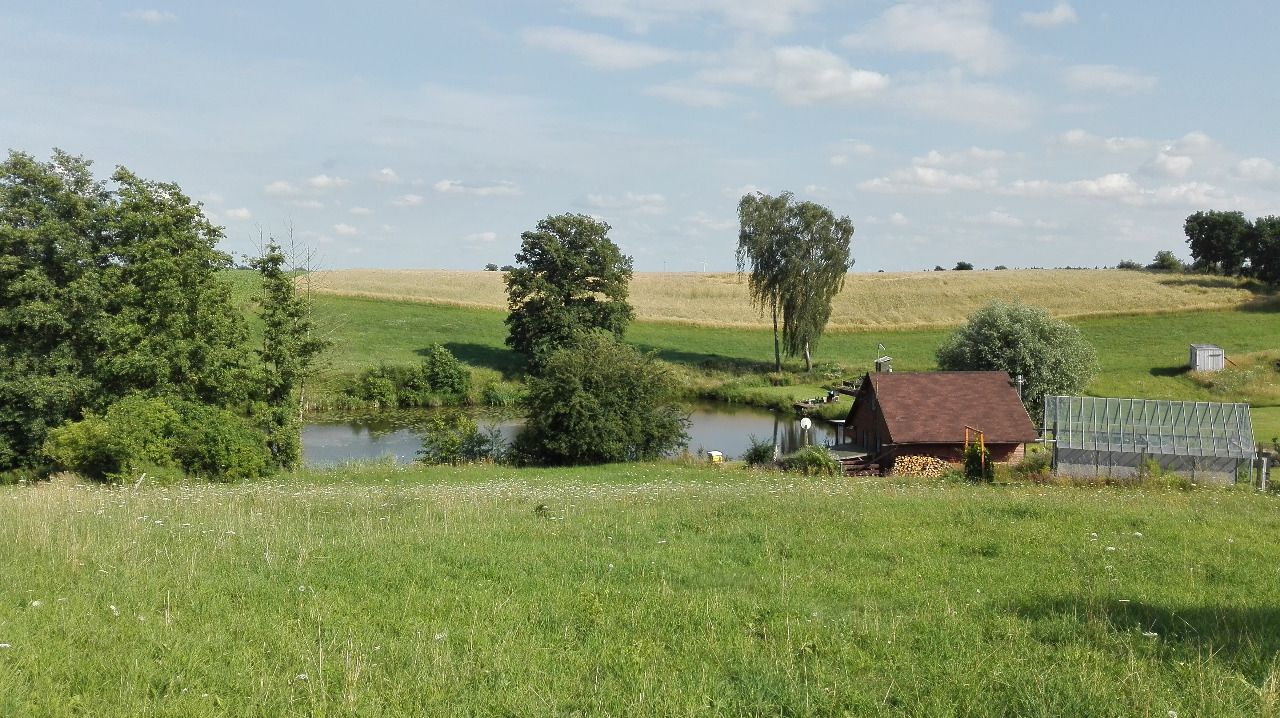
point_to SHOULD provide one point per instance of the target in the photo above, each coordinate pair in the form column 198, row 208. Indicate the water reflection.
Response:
column 717, row 427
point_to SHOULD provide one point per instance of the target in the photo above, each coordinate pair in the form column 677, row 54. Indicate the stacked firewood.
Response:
column 927, row 466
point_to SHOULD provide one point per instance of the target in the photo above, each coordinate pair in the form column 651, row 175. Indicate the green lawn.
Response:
column 635, row 590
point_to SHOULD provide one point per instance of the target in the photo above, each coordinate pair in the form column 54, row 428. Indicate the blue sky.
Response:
column 430, row 134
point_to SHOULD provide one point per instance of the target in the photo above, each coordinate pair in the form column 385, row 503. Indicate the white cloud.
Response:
column 898, row 219
column 360, row 211
column 1060, row 14
column 1257, row 169
column 707, row 222
column 324, row 182
column 407, row 200
column 996, row 218
column 629, row 202
column 495, row 189
column 239, row 213
column 1108, row 78
column 961, row 30
column 761, row 16
column 931, row 180
column 345, row 230
column 800, row 75
column 1083, row 140
column 281, row 188
column 308, row 203
column 971, row 156
column 1195, row 143
column 481, row 237
column 1172, row 165
column 151, row 17
column 386, row 175
column 978, row 104
column 844, row 150
column 736, row 193
column 600, row 51
column 1118, row 186
column 690, row 95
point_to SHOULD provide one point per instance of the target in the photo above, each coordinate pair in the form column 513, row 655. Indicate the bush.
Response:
column 812, row 461
column 964, row 266
column 1035, row 466
column 598, row 400
column 1129, row 264
column 759, row 453
column 455, row 439
column 160, row 436
column 977, row 463
column 440, row 376
column 444, row 373
column 1166, row 261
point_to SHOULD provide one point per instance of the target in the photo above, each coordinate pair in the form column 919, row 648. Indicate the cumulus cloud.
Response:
column 760, row 16
column 407, row 200
column 1257, row 169
column 1119, row 186
column 1060, row 14
column 1173, row 165
column 151, row 17
column 710, row 223
column 360, row 211
column 996, row 218
column 600, row 51
column 842, row 151
column 1081, row 139
column 971, row 156
column 629, row 202
column 495, row 189
column 308, row 203
column 241, row 213
column 345, row 230
column 281, row 188
column 325, row 182
column 1108, row 78
column 800, row 75
column 930, row 180
column 481, row 237
column 961, row 30
column 386, row 175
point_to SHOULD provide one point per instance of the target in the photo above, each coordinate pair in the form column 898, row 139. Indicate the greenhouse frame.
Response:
column 1108, row 437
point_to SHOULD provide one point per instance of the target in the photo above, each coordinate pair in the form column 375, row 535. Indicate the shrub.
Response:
column 964, row 266
column 977, row 463
column 1166, row 261
column 443, row 372
column 598, row 400
column 812, row 461
column 160, row 436
column 503, row 394
column 1129, row 264
column 1035, row 466
column 455, row 439
column 759, row 452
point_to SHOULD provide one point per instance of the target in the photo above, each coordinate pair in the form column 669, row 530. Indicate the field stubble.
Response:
column 639, row 590
column 896, row 300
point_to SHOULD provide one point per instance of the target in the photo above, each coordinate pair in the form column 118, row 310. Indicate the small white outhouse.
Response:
column 1207, row 357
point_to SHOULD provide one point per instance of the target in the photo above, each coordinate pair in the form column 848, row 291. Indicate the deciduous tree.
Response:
column 570, row 279
column 1219, row 241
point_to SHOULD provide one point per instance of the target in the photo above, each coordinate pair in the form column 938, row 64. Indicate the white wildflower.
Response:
column 37, row 604
column 1150, row 634
column 1111, row 548
column 4, row 646
column 300, row 677
column 440, row 636
column 115, row 611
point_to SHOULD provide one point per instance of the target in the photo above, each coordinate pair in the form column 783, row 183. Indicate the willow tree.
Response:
column 798, row 255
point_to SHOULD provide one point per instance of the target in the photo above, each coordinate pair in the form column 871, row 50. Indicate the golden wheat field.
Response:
column 879, row 300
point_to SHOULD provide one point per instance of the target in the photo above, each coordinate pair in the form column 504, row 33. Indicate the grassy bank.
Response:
column 636, row 590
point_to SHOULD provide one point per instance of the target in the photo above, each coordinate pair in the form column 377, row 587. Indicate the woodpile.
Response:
column 927, row 466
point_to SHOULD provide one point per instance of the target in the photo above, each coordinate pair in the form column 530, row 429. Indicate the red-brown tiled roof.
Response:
column 934, row 407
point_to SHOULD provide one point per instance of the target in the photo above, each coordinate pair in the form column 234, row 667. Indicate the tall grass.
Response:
column 881, row 300
column 636, row 590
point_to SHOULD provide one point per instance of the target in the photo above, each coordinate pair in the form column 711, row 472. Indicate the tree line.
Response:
column 1228, row 243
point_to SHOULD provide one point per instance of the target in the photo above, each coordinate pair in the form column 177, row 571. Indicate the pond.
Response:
column 715, row 427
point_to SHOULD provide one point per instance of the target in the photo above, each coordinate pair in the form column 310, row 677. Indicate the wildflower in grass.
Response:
column 37, row 604
column 5, row 646
column 301, row 677
column 1150, row 634
column 115, row 611
column 1111, row 548
column 440, row 636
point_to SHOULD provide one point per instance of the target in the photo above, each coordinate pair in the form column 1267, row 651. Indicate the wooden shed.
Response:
column 925, row 414
column 1207, row 357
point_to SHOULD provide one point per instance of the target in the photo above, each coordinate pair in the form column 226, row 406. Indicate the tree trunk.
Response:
column 777, row 348
column 808, row 362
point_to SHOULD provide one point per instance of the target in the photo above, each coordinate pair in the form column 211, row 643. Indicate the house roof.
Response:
column 934, row 407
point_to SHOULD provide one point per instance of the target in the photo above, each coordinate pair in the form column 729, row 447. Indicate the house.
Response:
column 926, row 414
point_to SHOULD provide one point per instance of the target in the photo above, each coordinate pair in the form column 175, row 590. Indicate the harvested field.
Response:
column 869, row 301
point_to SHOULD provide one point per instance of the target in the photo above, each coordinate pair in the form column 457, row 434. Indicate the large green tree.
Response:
column 111, row 290
column 1265, row 261
column 1049, row 354
column 798, row 254
column 570, row 279
column 598, row 400
column 1219, row 241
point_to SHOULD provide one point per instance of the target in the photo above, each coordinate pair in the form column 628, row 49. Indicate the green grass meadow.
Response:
column 1140, row 356
column 646, row 590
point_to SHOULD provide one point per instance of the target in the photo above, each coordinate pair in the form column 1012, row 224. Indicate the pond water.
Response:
column 715, row 427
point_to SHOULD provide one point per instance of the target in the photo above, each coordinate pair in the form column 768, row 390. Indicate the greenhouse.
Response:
column 1114, row 438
